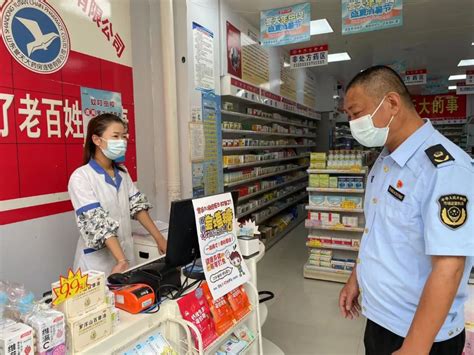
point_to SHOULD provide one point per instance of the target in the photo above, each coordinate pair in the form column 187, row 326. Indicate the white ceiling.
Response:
column 435, row 35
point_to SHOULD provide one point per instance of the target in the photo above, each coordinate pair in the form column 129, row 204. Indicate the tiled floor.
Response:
column 304, row 318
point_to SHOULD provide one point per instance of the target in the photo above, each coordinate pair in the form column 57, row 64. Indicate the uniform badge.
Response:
column 395, row 193
column 438, row 155
column 399, row 184
column 453, row 210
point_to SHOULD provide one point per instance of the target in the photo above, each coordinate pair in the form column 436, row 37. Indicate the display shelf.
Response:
column 264, row 162
column 293, row 224
column 255, row 133
column 268, row 147
column 310, row 225
column 338, row 171
column 242, row 182
column 281, row 209
column 266, row 119
column 334, row 209
column 246, row 197
column 270, row 202
column 322, row 189
column 214, row 346
column 333, row 247
column 326, row 274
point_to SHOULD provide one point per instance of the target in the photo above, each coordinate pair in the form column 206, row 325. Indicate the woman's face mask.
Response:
column 116, row 148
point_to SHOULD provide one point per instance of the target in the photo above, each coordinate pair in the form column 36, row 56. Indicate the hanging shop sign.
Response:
column 223, row 264
column 309, row 57
column 463, row 89
column 234, row 50
column 441, row 107
column 51, row 51
column 435, row 86
column 470, row 77
column 364, row 16
column 285, row 25
column 415, row 77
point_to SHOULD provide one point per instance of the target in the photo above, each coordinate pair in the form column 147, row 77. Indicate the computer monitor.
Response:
column 183, row 244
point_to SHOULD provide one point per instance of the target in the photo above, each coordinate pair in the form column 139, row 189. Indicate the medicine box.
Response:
column 338, row 265
column 324, row 181
column 314, row 180
column 317, row 200
column 318, row 157
column 333, row 182
column 87, row 300
column 16, row 339
column 89, row 328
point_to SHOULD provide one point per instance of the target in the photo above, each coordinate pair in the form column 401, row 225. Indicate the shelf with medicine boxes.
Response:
column 335, row 215
column 233, row 161
column 246, row 176
column 268, row 199
column 266, row 147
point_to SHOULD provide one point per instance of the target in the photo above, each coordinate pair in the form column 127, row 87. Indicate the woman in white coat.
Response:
column 105, row 199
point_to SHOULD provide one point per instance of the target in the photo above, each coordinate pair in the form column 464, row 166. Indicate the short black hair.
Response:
column 379, row 80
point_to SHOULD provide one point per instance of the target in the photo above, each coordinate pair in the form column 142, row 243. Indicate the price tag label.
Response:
column 70, row 286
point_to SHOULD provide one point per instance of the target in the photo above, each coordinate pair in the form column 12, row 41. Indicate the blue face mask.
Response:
column 116, row 148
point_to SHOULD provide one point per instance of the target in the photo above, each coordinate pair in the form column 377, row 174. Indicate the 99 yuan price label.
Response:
column 70, row 286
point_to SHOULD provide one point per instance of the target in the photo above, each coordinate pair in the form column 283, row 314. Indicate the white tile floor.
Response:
column 304, row 318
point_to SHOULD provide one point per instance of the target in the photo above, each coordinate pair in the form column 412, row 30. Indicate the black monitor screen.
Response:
column 183, row 245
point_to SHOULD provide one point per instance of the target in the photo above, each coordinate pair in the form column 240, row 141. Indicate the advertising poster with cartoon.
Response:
column 222, row 261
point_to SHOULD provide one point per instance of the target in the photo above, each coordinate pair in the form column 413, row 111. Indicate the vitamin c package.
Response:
column 195, row 309
column 239, row 302
column 220, row 310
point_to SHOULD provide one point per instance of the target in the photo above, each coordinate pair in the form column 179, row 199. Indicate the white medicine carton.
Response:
column 16, row 339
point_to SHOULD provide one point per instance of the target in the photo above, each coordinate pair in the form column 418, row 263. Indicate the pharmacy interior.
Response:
column 234, row 129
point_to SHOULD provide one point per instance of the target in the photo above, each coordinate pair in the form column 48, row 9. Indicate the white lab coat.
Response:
column 91, row 187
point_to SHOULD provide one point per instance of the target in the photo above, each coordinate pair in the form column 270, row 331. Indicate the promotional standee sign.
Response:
column 364, row 16
column 223, row 264
column 48, row 52
column 285, row 25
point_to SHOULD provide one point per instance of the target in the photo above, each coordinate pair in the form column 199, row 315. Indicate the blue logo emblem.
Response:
column 35, row 35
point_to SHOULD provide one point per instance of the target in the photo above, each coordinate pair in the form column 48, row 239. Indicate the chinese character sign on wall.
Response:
column 285, row 25
column 415, row 77
column 47, row 53
column 223, row 264
column 441, row 107
column 370, row 15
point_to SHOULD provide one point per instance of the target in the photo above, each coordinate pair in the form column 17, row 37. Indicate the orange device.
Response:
column 134, row 298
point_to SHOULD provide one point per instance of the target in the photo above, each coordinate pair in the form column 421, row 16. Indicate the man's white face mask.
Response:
column 364, row 131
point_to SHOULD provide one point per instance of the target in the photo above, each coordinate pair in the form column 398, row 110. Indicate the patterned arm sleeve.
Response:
column 96, row 227
column 139, row 202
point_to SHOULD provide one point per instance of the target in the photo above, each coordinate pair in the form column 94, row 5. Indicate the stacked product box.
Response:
column 318, row 161
column 317, row 241
column 325, row 258
column 335, row 201
column 91, row 315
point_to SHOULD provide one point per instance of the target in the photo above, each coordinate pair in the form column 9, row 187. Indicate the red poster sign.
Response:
column 234, row 51
column 41, row 124
column 440, row 107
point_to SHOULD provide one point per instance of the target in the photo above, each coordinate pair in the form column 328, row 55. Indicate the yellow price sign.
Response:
column 70, row 286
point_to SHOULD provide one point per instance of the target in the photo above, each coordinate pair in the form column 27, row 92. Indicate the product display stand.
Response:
column 333, row 245
column 134, row 328
column 267, row 140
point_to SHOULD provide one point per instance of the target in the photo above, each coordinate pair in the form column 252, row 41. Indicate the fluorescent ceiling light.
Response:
column 452, row 87
column 472, row 44
column 319, row 27
column 457, row 77
column 286, row 65
column 338, row 57
column 466, row 62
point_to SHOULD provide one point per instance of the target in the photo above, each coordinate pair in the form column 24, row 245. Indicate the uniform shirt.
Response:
column 104, row 207
column 418, row 204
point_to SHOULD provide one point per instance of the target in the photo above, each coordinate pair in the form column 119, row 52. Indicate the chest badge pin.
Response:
column 399, row 184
